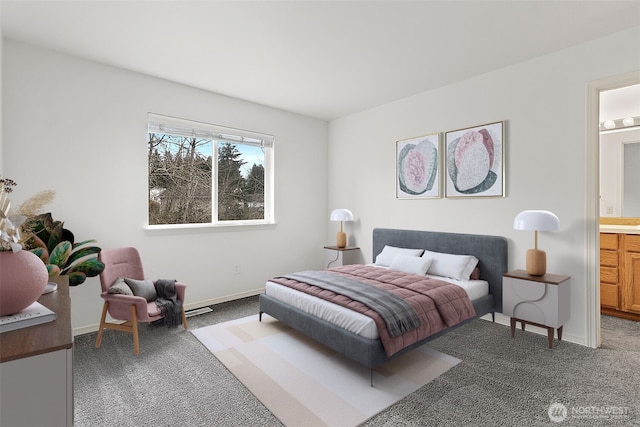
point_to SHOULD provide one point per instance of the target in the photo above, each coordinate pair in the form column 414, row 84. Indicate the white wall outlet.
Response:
column 609, row 209
column 236, row 269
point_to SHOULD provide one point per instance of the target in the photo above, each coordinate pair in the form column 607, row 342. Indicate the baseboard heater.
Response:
column 197, row 311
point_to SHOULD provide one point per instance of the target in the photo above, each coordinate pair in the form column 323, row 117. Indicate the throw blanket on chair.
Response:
column 168, row 303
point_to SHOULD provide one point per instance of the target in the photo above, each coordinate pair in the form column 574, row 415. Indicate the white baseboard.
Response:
column 506, row 321
column 500, row 319
column 190, row 306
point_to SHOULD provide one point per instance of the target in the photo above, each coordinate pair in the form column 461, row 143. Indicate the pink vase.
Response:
column 23, row 277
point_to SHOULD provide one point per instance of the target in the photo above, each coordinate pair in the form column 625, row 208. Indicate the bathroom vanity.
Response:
column 620, row 268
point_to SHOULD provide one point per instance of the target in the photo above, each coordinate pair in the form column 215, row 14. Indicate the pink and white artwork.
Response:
column 418, row 167
column 474, row 161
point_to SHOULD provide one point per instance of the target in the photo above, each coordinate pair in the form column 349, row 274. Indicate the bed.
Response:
column 490, row 251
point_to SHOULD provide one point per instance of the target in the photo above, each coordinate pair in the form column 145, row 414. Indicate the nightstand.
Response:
column 336, row 257
column 542, row 301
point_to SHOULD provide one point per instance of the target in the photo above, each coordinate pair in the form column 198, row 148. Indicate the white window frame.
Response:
column 158, row 123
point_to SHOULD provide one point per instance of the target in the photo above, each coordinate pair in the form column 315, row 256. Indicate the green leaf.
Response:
column 56, row 236
column 81, row 252
column 90, row 267
column 79, row 244
column 41, row 253
column 60, row 254
column 36, row 244
column 77, row 278
column 53, row 270
column 37, row 225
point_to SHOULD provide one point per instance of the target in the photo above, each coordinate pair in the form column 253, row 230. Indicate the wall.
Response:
column 543, row 102
column 79, row 128
column 611, row 170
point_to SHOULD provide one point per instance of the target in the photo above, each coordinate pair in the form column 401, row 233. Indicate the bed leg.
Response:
column 493, row 316
column 371, row 376
column 260, row 317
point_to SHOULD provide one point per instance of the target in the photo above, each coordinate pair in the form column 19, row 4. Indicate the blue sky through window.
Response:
column 250, row 154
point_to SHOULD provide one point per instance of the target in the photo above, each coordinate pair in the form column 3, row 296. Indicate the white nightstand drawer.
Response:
column 538, row 302
column 524, row 290
column 531, row 312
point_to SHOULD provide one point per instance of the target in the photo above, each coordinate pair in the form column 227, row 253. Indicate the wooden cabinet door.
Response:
column 631, row 288
column 609, row 241
column 609, row 295
column 609, row 271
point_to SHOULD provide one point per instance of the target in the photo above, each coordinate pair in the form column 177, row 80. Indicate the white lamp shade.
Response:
column 341, row 215
column 536, row 220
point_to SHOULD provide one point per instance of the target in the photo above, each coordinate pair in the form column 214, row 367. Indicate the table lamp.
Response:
column 341, row 215
column 536, row 220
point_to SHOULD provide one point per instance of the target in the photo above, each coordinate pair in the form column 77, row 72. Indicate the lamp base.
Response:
column 536, row 262
column 341, row 239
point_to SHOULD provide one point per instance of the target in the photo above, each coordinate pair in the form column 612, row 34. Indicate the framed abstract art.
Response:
column 474, row 161
column 418, row 167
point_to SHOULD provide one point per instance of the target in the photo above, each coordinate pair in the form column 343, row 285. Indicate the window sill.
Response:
column 199, row 228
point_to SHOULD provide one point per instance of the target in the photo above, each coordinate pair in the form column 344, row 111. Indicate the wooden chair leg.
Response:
column 102, row 323
column 184, row 319
column 134, row 327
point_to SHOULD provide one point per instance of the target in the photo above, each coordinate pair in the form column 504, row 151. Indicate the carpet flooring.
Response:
column 501, row 381
column 304, row 383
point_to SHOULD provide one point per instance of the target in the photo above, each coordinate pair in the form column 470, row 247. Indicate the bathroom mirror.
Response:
column 620, row 153
column 631, row 179
column 620, row 174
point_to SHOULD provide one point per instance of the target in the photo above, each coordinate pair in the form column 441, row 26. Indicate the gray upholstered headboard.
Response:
column 490, row 250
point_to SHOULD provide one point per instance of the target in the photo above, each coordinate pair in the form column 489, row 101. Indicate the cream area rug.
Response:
column 304, row 383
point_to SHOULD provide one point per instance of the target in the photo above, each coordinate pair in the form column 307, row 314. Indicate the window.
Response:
column 207, row 174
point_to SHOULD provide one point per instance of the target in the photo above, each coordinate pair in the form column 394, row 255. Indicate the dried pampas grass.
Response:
column 34, row 204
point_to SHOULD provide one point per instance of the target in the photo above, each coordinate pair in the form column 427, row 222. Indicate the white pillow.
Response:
column 385, row 258
column 457, row 267
column 411, row 264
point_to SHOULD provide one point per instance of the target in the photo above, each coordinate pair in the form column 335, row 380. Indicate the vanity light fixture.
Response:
column 536, row 220
column 616, row 125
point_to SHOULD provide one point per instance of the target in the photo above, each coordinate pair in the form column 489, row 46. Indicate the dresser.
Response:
column 36, row 368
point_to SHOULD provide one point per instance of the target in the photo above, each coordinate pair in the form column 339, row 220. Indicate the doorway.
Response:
column 593, row 197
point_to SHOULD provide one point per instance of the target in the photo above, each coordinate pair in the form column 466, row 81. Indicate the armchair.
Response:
column 126, row 263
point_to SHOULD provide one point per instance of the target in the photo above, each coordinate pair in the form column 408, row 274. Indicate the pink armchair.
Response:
column 126, row 263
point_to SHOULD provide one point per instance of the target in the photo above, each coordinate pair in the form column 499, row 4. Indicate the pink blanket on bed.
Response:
column 439, row 304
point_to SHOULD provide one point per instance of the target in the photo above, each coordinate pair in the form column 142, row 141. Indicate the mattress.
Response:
column 350, row 320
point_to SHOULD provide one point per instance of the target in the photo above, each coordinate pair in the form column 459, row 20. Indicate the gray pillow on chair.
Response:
column 142, row 288
column 120, row 287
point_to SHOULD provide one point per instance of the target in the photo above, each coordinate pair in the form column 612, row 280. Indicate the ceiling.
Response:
column 324, row 59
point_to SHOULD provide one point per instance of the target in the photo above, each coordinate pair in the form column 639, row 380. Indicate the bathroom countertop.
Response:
column 622, row 229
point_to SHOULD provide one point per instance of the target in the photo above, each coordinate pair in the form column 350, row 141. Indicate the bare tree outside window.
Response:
column 179, row 179
column 182, row 174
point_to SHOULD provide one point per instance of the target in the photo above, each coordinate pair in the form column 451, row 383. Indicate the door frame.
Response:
column 593, row 197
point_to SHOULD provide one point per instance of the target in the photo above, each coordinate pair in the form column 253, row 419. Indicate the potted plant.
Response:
column 23, row 277
column 56, row 247
column 44, row 240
